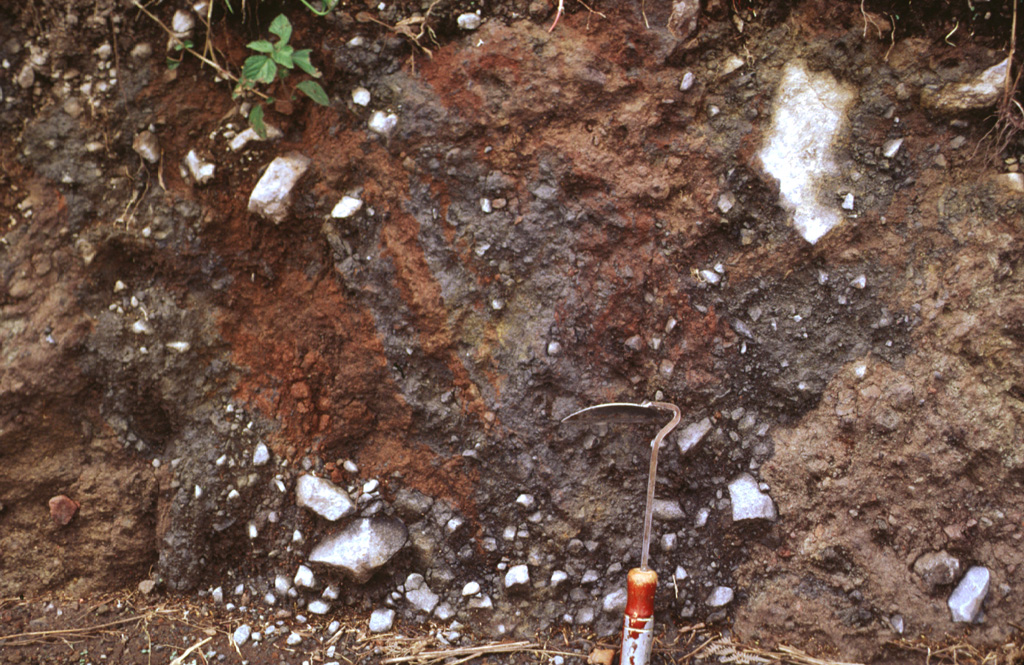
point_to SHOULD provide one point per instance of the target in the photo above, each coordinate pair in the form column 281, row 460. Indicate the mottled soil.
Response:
column 435, row 340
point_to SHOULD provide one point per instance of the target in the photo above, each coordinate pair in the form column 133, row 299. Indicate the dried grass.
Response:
column 422, row 645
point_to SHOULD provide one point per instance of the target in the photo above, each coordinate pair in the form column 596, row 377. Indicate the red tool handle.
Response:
column 638, row 623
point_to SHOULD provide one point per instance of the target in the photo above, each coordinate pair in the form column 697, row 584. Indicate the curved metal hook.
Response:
column 620, row 412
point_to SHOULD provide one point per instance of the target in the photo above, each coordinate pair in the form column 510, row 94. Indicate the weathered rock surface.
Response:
column 978, row 92
column 937, row 568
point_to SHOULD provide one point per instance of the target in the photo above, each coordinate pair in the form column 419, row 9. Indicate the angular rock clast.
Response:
column 748, row 502
column 271, row 198
column 63, row 508
column 362, row 547
column 965, row 603
column 323, row 497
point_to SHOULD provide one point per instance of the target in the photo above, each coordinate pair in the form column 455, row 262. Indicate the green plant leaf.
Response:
column 173, row 64
column 256, row 121
column 259, row 68
column 301, row 58
column 281, row 27
column 314, row 92
column 328, row 6
column 261, row 45
column 283, row 56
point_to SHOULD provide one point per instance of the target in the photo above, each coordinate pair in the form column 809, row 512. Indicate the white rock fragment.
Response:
column 692, row 434
column 361, row 96
column 244, row 137
column 147, row 146
column 471, row 589
column 241, row 634
column 709, row 276
column 346, row 207
column 218, row 595
column 141, row 51
column 554, row 348
column 182, row 23
column 294, row 639
column 233, row 494
column 142, row 327
column 305, row 578
column 687, row 82
column 201, row 171
column 468, row 21
column 350, row 466
column 748, row 502
column 525, row 500
column 680, row 574
column 1012, row 181
column 199, row 492
column 482, row 602
column 720, row 597
column 890, row 148
column 667, row 510
column 732, row 64
column 119, row 286
column 381, row 620
column 810, row 111
column 979, row 92
column 859, row 282
column 362, row 546
column 271, row 197
column 966, row 600
column 517, row 576
column 383, row 123
column 848, row 201
column 614, row 602
column 419, row 594
column 282, row 584
column 318, row 607
column 261, row 455
column 558, row 576
column 253, row 531
column 726, row 202
column 332, row 592
column 323, row 497
column 180, row 347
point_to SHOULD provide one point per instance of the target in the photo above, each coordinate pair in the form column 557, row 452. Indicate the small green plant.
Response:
column 328, row 5
column 179, row 49
column 272, row 63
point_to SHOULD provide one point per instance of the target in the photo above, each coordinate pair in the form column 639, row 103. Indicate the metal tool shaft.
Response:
column 652, row 475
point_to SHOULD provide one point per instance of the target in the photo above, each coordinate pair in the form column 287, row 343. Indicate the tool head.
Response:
column 619, row 412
